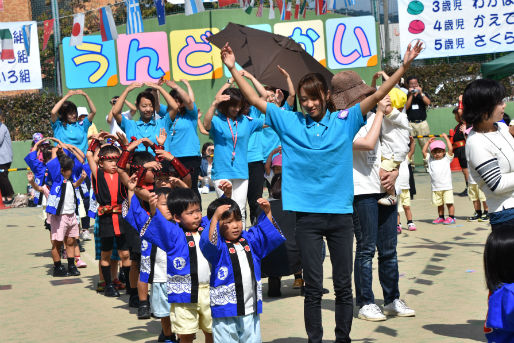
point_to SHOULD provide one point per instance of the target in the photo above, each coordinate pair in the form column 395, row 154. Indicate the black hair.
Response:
column 180, row 199
column 66, row 162
column 411, row 77
column 217, row 203
column 108, row 150
column 236, row 98
column 506, row 119
column 139, row 159
column 46, row 150
column 162, row 191
column 66, row 108
column 233, row 210
column 480, row 98
column 276, row 186
column 205, row 146
column 498, row 258
column 147, row 95
column 168, row 168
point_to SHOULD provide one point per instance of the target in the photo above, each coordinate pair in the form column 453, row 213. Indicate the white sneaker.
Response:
column 399, row 308
column 389, row 200
column 372, row 313
column 85, row 235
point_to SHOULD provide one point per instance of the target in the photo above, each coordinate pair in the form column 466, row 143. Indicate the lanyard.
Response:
column 174, row 124
column 234, row 138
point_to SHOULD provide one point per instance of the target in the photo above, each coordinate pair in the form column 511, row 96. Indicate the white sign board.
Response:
column 24, row 71
column 457, row 27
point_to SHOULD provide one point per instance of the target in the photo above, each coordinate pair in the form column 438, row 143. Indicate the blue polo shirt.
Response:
column 223, row 166
column 317, row 160
column 182, row 137
column 140, row 129
column 255, row 148
column 270, row 139
column 74, row 134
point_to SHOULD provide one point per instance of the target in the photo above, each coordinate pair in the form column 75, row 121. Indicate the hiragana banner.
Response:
column 457, row 27
column 24, row 71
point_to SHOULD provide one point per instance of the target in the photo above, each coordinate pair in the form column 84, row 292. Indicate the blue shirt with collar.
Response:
column 74, row 134
column 223, row 166
column 318, row 154
column 255, row 148
column 270, row 139
column 140, row 129
column 182, row 132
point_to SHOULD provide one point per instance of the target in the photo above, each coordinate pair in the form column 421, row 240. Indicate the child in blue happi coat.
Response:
column 499, row 275
column 235, row 258
column 187, row 270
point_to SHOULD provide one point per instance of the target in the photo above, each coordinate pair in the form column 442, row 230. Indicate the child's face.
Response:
column 109, row 165
column 437, row 154
column 66, row 173
column 191, row 218
column 150, row 177
column 231, row 228
column 277, row 170
column 162, row 181
column 163, row 207
column 209, row 151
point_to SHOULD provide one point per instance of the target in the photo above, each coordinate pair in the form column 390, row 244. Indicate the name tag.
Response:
column 415, row 107
column 372, row 158
column 342, row 114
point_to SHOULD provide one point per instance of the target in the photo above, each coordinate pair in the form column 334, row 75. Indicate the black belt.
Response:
column 417, row 121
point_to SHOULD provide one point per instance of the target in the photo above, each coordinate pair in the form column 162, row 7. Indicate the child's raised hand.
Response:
column 431, row 140
column 162, row 137
column 134, row 144
column 264, row 205
column 226, row 187
column 219, row 211
column 83, row 175
column 163, row 154
column 153, row 200
column 146, row 142
column 30, row 176
column 177, row 183
column 228, row 57
column 154, row 165
column 132, row 182
column 122, row 139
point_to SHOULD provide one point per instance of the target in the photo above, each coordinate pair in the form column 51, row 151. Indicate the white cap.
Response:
column 82, row 111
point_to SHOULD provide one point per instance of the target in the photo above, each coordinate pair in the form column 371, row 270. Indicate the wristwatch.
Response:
column 229, row 82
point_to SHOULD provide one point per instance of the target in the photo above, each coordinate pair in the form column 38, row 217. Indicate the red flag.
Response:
column 279, row 5
column 288, row 11
column 223, row 3
column 296, row 9
column 48, row 29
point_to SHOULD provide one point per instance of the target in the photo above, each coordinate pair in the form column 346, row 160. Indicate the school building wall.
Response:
column 440, row 120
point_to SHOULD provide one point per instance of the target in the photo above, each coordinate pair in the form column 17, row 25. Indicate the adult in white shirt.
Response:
column 114, row 128
column 374, row 225
column 490, row 149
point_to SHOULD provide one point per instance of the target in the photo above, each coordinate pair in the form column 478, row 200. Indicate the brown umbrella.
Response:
column 260, row 52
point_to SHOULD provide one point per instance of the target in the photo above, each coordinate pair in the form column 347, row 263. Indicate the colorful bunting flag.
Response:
column 193, row 6
column 77, row 30
column 25, row 30
column 161, row 13
column 271, row 10
column 6, row 44
column 288, row 10
column 296, row 9
column 48, row 28
column 134, row 18
column 303, row 8
column 249, row 6
column 107, row 25
column 282, row 4
column 259, row 10
column 223, row 3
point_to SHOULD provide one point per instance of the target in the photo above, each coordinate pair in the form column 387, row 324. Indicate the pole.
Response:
column 57, row 40
column 386, row 29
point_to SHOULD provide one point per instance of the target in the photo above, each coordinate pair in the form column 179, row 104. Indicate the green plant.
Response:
column 28, row 113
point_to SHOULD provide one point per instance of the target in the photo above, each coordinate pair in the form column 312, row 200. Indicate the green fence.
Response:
column 439, row 119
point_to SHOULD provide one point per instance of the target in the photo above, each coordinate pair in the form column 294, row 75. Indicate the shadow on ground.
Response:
column 473, row 329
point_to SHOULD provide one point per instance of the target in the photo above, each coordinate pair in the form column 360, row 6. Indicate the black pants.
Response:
column 193, row 164
column 338, row 230
column 255, row 185
column 5, row 184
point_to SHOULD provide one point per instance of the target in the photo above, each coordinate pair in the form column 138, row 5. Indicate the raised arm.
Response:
column 186, row 99
column 213, row 232
column 33, row 184
column 92, row 108
column 118, row 106
column 172, row 105
column 256, row 83
column 131, row 106
column 75, row 151
column 290, row 86
column 267, row 166
column 412, row 147
column 80, row 180
column 229, row 59
column 370, row 102
column 207, row 119
column 424, row 151
column 448, row 143
column 189, row 89
column 54, row 113
column 368, row 142
column 201, row 128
